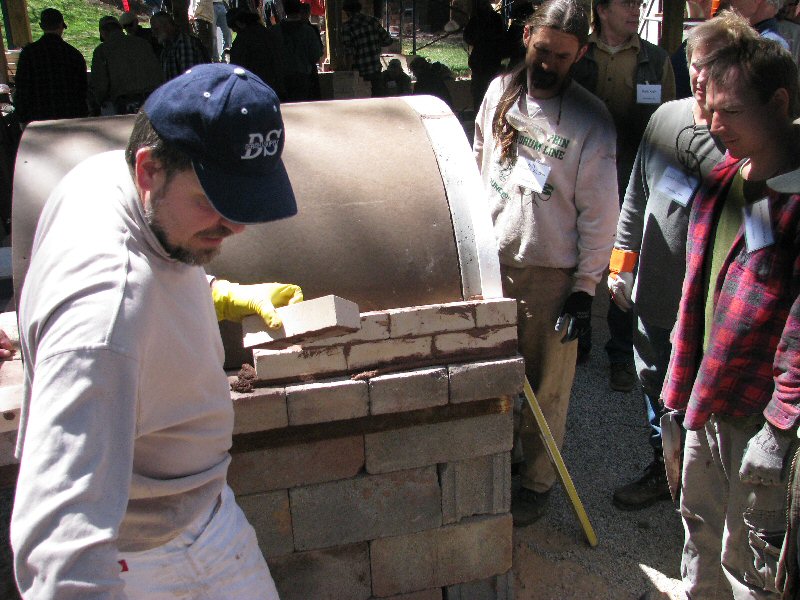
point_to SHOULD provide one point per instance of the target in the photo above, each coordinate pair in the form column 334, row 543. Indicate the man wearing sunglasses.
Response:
column 632, row 77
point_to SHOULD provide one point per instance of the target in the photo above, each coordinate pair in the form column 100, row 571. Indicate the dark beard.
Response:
column 177, row 252
column 180, row 253
column 543, row 80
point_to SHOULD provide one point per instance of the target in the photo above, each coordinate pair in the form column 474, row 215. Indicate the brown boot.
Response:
column 650, row 488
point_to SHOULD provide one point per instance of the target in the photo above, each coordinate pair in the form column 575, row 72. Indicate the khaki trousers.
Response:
column 734, row 530
column 549, row 365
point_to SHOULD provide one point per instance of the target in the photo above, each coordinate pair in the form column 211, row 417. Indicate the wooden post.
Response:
column 671, row 25
column 333, row 21
column 19, row 34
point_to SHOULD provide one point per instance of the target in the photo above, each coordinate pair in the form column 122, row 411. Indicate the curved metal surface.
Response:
column 374, row 223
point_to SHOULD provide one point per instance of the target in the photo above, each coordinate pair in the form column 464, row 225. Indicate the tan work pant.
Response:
column 549, row 365
column 734, row 530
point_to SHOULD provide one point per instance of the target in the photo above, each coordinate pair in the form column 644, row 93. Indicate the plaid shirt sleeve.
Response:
column 752, row 363
column 783, row 409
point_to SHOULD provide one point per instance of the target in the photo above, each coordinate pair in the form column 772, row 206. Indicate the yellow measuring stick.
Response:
column 561, row 468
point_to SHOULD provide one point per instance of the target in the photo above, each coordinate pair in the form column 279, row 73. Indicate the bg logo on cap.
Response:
column 258, row 144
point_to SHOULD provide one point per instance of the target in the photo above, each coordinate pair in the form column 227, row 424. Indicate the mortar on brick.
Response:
column 496, row 311
column 365, row 506
column 374, row 327
column 325, row 401
column 408, row 390
column 486, row 379
column 371, row 354
column 436, row 318
column 298, row 362
column 504, row 338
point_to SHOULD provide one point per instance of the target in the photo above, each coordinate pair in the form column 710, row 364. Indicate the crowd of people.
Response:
column 595, row 168
column 131, row 60
column 693, row 206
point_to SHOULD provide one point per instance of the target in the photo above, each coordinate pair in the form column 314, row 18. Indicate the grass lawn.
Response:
column 450, row 51
column 81, row 18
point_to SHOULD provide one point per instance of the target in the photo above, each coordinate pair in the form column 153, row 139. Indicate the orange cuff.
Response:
column 622, row 261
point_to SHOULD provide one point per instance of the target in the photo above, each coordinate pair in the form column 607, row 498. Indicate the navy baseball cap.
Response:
column 229, row 123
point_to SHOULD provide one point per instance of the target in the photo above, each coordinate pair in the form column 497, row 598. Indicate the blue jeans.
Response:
column 219, row 14
column 651, row 350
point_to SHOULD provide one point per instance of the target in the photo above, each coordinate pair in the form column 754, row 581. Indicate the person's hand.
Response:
column 620, row 276
column 233, row 301
column 575, row 317
column 765, row 455
column 620, row 286
column 6, row 346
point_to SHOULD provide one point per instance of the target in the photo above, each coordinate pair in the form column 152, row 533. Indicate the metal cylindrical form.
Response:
column 390, row 211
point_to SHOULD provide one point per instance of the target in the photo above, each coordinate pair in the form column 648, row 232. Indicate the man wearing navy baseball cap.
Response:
column 122, row 488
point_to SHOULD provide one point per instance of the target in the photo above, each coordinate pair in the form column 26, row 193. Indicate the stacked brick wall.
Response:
column 377, row 464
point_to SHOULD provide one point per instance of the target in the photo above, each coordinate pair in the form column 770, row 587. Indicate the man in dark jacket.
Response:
column 51, row 75
column 258, row 49
column 303, row 51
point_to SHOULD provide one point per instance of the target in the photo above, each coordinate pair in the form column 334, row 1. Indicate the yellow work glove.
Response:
column 234, row 301
column 620, row 277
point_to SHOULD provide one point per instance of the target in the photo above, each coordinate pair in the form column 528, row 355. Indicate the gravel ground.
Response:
column 638, row 552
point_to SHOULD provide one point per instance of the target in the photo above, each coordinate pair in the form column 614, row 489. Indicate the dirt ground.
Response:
column 638, row 553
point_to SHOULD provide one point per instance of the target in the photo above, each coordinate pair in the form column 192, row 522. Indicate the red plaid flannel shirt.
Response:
column 752, row 364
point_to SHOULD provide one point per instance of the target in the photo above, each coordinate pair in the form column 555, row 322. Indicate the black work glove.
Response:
column 575, row 317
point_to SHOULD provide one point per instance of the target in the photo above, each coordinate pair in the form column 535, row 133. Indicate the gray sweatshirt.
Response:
column 570, row 223
column 654, row 224
column 127, row 417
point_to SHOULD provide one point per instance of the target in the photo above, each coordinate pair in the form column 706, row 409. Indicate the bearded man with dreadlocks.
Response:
column 545, row 147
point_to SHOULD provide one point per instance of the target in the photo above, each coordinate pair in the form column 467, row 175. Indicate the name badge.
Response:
column 531, row 174
column 648, row 93
column 677, row 185
column 758, row 225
